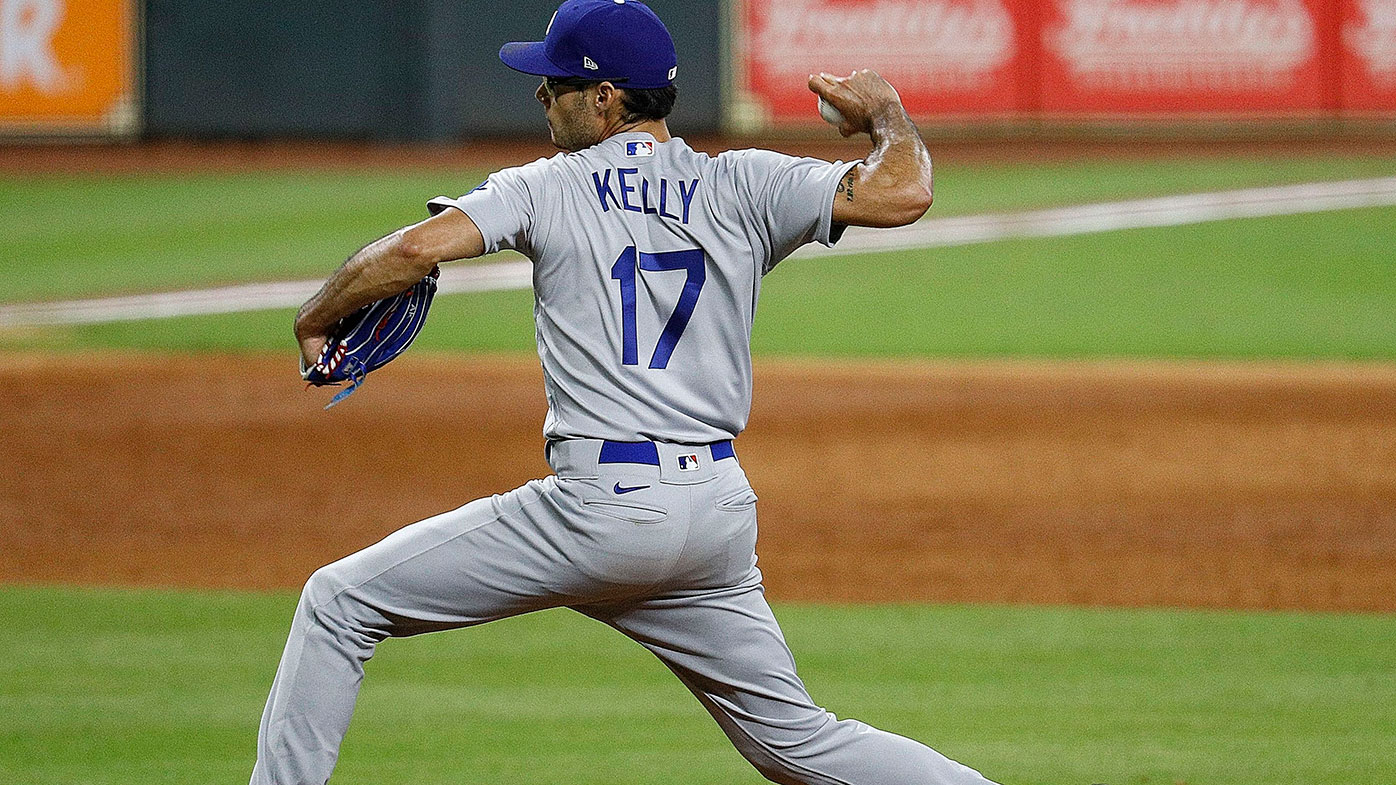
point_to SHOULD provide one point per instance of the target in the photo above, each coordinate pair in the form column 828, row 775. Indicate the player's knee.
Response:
column 322, row 590
column 774, row 769
column 789, row 755
column 779, row 766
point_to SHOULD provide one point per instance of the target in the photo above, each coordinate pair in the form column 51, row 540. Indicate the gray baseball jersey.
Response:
column 648, row 259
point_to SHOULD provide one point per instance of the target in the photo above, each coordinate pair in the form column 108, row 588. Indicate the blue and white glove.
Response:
column 371, row 337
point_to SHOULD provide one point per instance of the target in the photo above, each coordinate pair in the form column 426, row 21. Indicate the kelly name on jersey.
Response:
column 630, row 191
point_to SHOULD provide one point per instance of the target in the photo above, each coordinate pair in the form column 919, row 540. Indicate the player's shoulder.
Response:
column 533, row 171
column 747, row 156
column 758, row 161
column 754, row 168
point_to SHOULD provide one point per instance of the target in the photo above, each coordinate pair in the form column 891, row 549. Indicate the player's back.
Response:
column 648, row 258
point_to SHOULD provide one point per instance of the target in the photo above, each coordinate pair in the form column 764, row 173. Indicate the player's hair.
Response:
column 652, row 104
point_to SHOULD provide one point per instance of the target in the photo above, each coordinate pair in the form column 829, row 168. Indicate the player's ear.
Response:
column 607, row 94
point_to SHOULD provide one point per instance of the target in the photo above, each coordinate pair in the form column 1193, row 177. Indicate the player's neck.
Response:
column 659, row 129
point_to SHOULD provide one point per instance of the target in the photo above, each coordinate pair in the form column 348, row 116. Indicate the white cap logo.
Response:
column 550, row 25
column 672, row 72
column 590, row 64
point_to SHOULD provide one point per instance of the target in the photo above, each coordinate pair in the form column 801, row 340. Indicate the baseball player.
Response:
column 647, row 259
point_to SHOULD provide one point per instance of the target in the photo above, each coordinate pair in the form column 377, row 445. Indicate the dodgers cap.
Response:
column 621, row 41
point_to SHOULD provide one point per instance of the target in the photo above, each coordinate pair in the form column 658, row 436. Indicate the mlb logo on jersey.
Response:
column 639, row 149
column 688, row 463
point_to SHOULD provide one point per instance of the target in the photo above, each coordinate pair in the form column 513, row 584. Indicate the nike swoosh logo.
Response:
column 622, row 489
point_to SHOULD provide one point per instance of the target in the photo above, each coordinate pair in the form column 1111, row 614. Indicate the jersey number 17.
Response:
column 691, row 261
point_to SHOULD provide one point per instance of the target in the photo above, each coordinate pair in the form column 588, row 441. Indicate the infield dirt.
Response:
column 1210, row 485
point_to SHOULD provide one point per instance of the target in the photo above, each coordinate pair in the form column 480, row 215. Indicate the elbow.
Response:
column 412, row 255
column 920, row 201
column 911, row 204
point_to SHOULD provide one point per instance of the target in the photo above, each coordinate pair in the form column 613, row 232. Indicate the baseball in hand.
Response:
column 831, row 115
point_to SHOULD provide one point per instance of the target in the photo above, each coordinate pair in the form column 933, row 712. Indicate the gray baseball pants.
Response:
column 671, row 564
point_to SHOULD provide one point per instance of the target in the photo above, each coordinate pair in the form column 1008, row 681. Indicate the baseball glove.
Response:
column 370, row 338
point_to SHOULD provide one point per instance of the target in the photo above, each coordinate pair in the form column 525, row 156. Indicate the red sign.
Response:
column 1369, row 55
column 1145, row 56
column 1076, row 59
column 943, row 56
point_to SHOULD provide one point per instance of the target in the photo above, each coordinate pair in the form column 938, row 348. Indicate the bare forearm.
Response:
column 892, row 186
column 899, row 166
column 380, row 269
column 384, row 268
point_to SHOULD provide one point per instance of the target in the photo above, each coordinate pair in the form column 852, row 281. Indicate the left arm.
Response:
column 383, row 268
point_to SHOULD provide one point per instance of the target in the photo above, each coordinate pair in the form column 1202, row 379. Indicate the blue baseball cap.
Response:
column 619, row 41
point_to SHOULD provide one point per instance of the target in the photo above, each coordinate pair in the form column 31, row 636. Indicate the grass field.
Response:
column 166, row 687
column 141, row 231
column 1307, row 286
column 1317, row 285
column 127, row 686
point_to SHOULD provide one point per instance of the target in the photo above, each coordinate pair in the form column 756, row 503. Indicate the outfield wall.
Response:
column 427, row 69
column 409, row 69
column 406, row 69
column 1074, row 61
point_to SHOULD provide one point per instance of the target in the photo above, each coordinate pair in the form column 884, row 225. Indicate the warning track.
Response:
column 931, row 233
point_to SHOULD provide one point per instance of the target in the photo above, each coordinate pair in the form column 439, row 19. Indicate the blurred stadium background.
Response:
column 1089, row 477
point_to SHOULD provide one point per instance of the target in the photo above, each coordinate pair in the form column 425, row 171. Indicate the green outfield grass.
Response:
column 1309, row 286
column 70, row 235
column 111, row 687
column 1305, row 286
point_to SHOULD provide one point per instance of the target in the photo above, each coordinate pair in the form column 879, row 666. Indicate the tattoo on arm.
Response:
column 846, row 186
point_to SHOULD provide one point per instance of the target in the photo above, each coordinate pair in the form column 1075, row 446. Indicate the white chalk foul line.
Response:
column 1113, row 216
column 243, row 297
column 932, row 233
